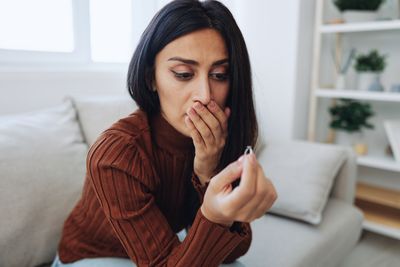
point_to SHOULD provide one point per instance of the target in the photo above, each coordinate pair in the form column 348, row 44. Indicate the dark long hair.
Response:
column 181, row 17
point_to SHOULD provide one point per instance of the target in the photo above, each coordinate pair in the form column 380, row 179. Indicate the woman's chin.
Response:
column 185, row 131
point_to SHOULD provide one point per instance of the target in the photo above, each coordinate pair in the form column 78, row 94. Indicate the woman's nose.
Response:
column 203, row 92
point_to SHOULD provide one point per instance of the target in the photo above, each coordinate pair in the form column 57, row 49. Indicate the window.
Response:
column 40, row 25
column 71, row 32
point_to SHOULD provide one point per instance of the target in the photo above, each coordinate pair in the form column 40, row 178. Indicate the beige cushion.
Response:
column 42, row 168
column 98, row 113
column 303, row 174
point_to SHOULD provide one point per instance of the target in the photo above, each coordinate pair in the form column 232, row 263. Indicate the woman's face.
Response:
column 192, row 68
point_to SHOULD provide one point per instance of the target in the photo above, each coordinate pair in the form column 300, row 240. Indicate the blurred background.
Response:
column 306, row 56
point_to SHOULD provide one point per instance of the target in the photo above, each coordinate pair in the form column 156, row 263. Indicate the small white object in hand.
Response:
column 248, row 150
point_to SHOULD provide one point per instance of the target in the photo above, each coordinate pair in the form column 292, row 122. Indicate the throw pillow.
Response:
column 42, row 168
column 303, row 174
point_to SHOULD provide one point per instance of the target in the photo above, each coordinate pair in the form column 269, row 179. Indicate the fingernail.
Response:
column 197, row 105
column 192, row 112
column 241, row 158
column 187, row 118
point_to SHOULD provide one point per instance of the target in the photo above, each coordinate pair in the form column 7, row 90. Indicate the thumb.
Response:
column 228, row 175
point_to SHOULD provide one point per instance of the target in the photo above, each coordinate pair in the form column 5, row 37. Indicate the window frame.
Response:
column 81, row 34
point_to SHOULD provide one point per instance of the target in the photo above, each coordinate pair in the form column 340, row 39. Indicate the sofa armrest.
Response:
column 344, row 186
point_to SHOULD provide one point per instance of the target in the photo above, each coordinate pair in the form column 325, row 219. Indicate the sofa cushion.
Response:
column 42, row 168
column 98, row 113
column 303, row 174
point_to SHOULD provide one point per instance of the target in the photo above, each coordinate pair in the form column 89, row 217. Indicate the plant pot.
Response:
column 354, row 16
column 354, row 140
column 369, row 81
column 340, row 82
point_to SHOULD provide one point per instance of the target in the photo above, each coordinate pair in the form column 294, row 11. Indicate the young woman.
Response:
column 177, row 161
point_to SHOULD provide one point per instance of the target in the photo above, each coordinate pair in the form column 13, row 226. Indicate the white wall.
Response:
column 279, row 37
column 26, row 91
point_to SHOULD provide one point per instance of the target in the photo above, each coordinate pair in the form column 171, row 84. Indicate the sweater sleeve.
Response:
column 120, row 177
column 239, row 227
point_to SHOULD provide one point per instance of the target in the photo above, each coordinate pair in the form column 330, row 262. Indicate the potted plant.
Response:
column 351, row 117
column 369, row 67
column 358, row 10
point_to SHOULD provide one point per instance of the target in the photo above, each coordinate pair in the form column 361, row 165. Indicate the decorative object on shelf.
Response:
column 395, row 88
column 358, row 10
column 390, row 10
column 352, row 116
column 369, row 67
column 392, row 128
column 389, row 151
column 342, row 69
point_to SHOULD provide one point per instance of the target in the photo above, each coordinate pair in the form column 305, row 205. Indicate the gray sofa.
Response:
column 42, row 166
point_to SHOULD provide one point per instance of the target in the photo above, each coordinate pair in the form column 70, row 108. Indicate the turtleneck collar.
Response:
column 167, row 137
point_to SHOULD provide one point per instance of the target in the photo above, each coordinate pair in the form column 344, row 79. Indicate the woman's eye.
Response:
column 183, row 75
column 219, row 76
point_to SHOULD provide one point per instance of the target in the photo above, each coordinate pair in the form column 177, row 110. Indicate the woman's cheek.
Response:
column 221, row 95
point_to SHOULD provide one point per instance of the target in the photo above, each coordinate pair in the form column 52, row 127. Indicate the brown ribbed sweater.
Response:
column 139, row 191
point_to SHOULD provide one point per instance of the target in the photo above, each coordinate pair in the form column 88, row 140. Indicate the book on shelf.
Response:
column 392, row 128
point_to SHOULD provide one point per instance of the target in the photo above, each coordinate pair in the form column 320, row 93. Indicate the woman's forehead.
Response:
column 203, row 46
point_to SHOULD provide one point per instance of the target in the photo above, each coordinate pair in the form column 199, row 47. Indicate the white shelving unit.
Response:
column 384, row 163
column 361, row 27
column 378, row 228
column 353, row 94
column 366, row 195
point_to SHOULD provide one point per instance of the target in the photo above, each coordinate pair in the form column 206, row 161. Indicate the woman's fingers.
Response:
column 197, row 139
column 262, row 200
column 260, row 208
column 246, row 202
column 220, row 115
column 248, row 182
column 227, row 176
column 209, row 119
column 255, row 193
column 201, row 126
column 265, row 205
column 211, row 122
column 247, row 187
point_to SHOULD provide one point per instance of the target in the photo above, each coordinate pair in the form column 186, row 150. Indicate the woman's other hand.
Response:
column 251, row 199
column 208, row 128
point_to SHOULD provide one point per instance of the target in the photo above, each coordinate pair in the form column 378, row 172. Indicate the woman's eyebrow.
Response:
column 193, row 62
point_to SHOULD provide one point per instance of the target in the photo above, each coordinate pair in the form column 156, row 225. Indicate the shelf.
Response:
column 361, row 95
column 381, row 209
column 378, row 195
column 361, row 27
column 381, row 229
column 380, row 219
column 385, row 163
